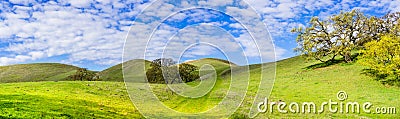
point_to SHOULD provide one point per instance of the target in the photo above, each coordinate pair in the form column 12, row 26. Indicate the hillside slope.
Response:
column 297, row 80
column 65, row 100
column 114, row 73
column 35, row 72
column 218, row 64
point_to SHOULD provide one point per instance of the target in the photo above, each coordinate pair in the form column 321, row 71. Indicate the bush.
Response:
column 188, row 72
column 82, row 74
column 165, row 71
column 383, row 59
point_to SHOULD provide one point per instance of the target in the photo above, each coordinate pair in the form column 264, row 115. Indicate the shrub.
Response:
column 82, row 74
column 188, row 72
column 165, row 71
column 383, row 59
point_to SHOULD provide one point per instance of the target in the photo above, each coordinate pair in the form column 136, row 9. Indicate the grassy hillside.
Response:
column 300, row 81
column 219, row 64
column 65, row 99
column 35, row 72
column 297, row 80
column 114, row 73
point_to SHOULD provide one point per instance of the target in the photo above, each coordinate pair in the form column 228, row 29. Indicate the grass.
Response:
column 218, row 64
column 65, row 99
column 35, row 72
column 295, row 82
column 114, row 73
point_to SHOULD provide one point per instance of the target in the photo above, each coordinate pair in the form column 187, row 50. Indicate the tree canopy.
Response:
column 341, row 34
column 376, row 39
column 164, row 70
column 82, row 74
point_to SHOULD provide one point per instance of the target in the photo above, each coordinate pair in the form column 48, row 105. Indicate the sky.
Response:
column 94, row 33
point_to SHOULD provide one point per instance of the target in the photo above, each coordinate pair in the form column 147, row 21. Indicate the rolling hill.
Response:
column 114, row 73
column 297, row 80
column 65, row 100
column 36, row 72
column 219, row 64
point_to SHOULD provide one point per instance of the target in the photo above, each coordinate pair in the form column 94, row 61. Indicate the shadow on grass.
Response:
column 335, row 61
column 324, row 64
column 385, row 79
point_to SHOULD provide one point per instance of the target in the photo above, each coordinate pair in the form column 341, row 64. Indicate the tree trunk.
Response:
column 347, row 57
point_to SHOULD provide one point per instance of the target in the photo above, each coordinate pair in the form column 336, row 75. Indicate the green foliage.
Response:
column 347, row 32
column 188, row 72
column 154, row 73
column 82, row 74
column 341, row 34
column 162, row 71
column 326, row 39
column 165, row 71
column 383, row 59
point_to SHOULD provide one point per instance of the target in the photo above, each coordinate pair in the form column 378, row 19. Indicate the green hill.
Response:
column 297, row 80
column 219, row 64
column 35, row 72
column 114, row 73
column 65, row 100
column 300, row 80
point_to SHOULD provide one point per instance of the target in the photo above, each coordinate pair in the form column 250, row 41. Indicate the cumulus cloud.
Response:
column 50, row 29
column 159, row 43
column 94, row 30
column 80, row 3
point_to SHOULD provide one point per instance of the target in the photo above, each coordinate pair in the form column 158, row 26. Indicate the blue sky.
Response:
column 91, row 33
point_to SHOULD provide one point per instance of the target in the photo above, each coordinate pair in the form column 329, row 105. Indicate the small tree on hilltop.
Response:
column 166, row 71
column 188, row 72
column 157, row 67
column 82, row 74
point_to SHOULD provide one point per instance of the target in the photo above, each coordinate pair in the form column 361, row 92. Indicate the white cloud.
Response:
column 216, row 2
column 81, row 3
column 236, row 25
column 394, row 6
column 97, row 34
column 60, row 30
column 22, row 2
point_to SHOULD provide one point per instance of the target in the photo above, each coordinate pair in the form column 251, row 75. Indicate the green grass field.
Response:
column 295, row 82
column 65, row 99
column 114, row 73
column 35, row 72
